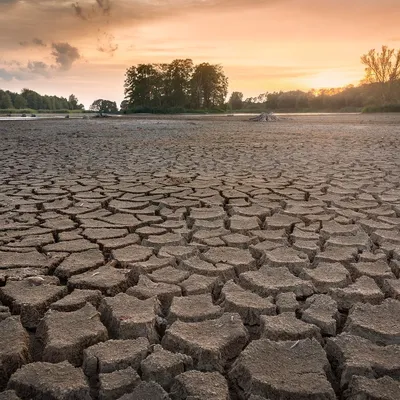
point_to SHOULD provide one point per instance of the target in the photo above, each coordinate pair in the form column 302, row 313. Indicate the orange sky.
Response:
column 264, row 45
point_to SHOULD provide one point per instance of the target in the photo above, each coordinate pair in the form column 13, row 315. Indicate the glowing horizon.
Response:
column 267, row 45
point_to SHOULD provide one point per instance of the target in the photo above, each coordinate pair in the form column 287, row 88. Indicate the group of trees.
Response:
column 379, row 88
column 178, row 85
column 33, row 100
column 336, row 99
column 181, row 86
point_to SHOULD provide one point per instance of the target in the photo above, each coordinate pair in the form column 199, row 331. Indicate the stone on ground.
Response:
column 31, row 299
column 286, row 302
column 200, row 386
column 287, row 257
column 147, row 391
column 77, row 263
column 327, row 276
column 364, row 388
column 77, row 299
column 380, row 324
column 42, row 380
column 9, row 395
column 162, row 366
column 354, row 355
column 127, row 317
column 250, row 306
column 64, row 335
column 378, row 270
column 391, row 287
column 194, row 308
column 146, row 288
column 114, row 355
column 238, row 258
column 14, row 348
column 270, row 281
column 107, row 279
column 283, row 370
column 321, row 310
column 117, row 383
column 210, row 343
column 200, row 284
column 287, row 327
column 363, row 290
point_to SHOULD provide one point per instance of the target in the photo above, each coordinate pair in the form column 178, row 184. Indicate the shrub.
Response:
column 382, row 109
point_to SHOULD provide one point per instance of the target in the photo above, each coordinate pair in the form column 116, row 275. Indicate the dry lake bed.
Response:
column 205, row 258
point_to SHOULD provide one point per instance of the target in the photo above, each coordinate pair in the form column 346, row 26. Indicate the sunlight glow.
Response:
column 329, row 79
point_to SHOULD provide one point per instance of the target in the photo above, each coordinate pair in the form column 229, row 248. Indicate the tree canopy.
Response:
column 178, row 85
column 104, row 106
column 382, row 68
column 33, row 100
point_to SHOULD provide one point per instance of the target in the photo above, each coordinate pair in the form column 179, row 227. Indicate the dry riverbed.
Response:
column 200, row 257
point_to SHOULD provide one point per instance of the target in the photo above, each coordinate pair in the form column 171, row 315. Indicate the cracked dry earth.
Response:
column 206, row 259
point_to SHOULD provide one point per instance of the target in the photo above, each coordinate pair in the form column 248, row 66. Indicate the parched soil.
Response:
column 200, row 258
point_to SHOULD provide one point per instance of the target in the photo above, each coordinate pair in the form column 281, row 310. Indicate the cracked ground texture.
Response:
column 200, row 258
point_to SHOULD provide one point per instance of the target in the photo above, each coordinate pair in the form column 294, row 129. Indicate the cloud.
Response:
column 38, row 42
column 39, row 68
column 104, row 5
column 65, row 55
column 106, row 43
column 87, row 11
column 33, row 42
column 10, row 70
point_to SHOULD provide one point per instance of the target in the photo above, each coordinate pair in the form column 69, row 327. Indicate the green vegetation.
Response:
column 104, row 106
column 382, row 109
column 28, row 99
column 182, row 87
column 177, row 87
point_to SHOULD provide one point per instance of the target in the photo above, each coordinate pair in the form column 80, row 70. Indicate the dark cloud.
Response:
column 79, row 11
column 38, row 42
column 33, row 42
column 104, row 5
column 65, row 55
column 86, row 11
column 106, row 43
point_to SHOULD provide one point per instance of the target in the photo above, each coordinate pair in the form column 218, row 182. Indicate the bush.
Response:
column 15, row 111
column 65, row 111
column 382, row 109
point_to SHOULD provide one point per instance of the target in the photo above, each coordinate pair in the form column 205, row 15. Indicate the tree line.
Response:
column 177, row 86
column 183, row 86
column 379, row 90
column 29, row 99
column 349, row 98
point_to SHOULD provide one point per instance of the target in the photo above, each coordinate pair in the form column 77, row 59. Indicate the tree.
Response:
column 144, row 85
column 104, row 106
column 151, row 87
column 19, row 101
column 124, row 106
column 5, row 100
column 236, row 101
column 209, row 86
column 73, row 103
column 382, row 68
column 177, row 82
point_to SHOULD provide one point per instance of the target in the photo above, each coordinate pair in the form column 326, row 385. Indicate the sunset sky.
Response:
column 62, row 47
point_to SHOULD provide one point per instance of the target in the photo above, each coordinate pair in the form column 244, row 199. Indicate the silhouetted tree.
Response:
column 236, row 100
column 382, row 68
column 104, row 106
column 151, row 87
